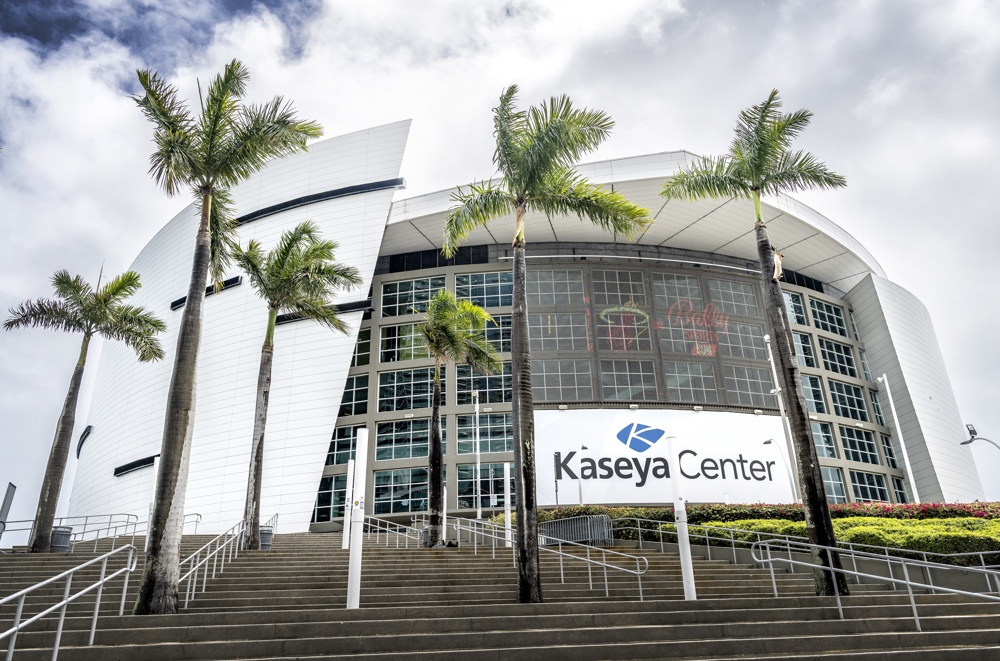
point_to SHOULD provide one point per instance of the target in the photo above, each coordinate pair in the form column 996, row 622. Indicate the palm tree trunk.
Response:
column 48, row 498
column 817, row 511
column 158, row 589
column 529, row 580
column 251, row 511
column 435, row 462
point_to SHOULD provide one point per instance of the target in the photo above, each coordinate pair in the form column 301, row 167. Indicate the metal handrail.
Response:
column 222, row 548
column 101, row 526
column 905, row 563
column 397, row 531
column 67, row 599
column 495, row 533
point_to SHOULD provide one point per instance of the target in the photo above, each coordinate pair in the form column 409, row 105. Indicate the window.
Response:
column 823, row 438
column 498, row 333
column 342, row 445
column 496, row 433
column 363, row 348
column 554, row 288
column 618, row 288
column 562, row 381
column 402, row 490
column 487, row 290
column 828, row 317
column 833, row 484
column 628, row 380
column 804, row 350
column 742, row 341
column 493, row 389
column 869, row 487
column 796, row 311
column 899, row 490
column 558, row 331
column 691, row 382
column 748, row 386
column 837, row 357
column 491, row 488
column 859, row 445
column 890, row 454
column 675, row 338
column 623, row 329
column 355, row 401
column 407, row 296
column 734, row 297
column 671, row 289
column 848, row 401
column 877, row 408
column 812, row 388
column 854, row 327
column 864, row 366
column 330, row 498
column 405, row 439
column 408, row 389
column 403, row 342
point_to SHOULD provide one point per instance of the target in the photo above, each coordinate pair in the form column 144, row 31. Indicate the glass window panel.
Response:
column 623, row 329
column 342, row 445
column 691, row 382
column 734, row 297
column 670, row 289
column 859, row 445
column 899, row 489
column 554, row 287
column 749, row 386
column 864, row 365
column 498, row 332
column 559, row 331
column 493, row 389
column 402, row 490
column 496, row 433
column 890, row 454
column 409, row 296
column 355, row 401
column 406, row 439
column 740, row 340
column 403, row 342
column 804, row 353
column 628, row 380
column 363, row 348
column 854, row 327
column 491, row 487
column 796, row 311
column 877, row 408
column 869, row 487
column 828, row 317
column 618, row 288
column 848, row 401
column 823, row 438
column 812, row 388
column 837, row 357
column 408, row 389
column 330, row 498
column 487, row 290
column 562, row 381
column 833, row 484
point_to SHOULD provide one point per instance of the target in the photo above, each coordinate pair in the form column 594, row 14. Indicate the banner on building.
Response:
column 625, row 457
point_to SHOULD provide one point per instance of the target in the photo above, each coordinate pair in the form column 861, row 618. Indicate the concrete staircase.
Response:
column 288, row 603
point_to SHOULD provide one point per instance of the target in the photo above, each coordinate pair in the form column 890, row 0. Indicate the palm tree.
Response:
column 78, row 308
column 207, row 155
column 535, row 155
column 299, row 276
column 454, row 331
column 761, row 161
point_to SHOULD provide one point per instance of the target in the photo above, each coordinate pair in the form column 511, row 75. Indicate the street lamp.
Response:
column 788, row 468
column 785, row 425
column 884, row 380
column 579, row 482
column 974, row 437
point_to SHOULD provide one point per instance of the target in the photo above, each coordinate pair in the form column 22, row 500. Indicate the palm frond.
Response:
column 252, row 261
column 559, row 135
column 219, row 114
column 477, row 207
column 800, row 170
column 749, row 142
column 45, row 313
column 222, row 227
column 481, row 355
column 292, row 242
column 508, row 129
column 135, row 327
column 709, row 177
column 318, row 310
column 172, row 163
column 119, row 288
column 566, row 193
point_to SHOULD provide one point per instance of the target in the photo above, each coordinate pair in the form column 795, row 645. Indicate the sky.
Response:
column 905, row 96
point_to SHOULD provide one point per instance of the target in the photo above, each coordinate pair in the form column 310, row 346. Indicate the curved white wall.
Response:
column 310, row 364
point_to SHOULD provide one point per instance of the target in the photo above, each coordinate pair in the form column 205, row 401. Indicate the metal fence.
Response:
column 594, row 529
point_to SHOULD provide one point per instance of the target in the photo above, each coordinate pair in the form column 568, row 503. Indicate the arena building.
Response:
column 645, row 352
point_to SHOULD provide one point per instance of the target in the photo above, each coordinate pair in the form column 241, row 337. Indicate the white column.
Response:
column 348, row 505
column 506, row 502
column 785, row 425
column 479, row 504
column 680, row 521
column 357, row 520
column 884, row 380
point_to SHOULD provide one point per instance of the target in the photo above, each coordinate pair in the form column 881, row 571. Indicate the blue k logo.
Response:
column 640, row 437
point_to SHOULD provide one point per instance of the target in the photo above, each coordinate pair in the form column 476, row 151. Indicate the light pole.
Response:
column 357, row 520
column 788, row 468
column 884, row 380
column 974, row 437
column 555, row 473
column 479, row 500
column 785, row 426
column 680, row 522
column 579, row 482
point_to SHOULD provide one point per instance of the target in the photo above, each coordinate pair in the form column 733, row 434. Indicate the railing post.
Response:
column 62, row 618
column 732, row 543
column 708, row 545
column 132, row 561
column 638, row 575
column 562, row 577
column 888, row 563
column 836, row 590
column 97, row 600
column 909, row 589
column 770, row 564
column 17, row 622
column 590, row 575
column 604, row 561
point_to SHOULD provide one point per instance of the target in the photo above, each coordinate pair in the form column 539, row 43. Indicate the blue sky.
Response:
column 905, row 97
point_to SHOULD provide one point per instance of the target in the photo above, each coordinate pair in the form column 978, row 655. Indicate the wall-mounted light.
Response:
column 487, row 409
column 563, row 407
column 634, row 407
column 758, row 412
column 407, row 415
column 858, row 424
column 699, row 408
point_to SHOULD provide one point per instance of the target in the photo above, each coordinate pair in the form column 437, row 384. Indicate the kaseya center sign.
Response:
column 615, row 457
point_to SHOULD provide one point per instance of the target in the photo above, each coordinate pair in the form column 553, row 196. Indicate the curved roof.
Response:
column 811, row 243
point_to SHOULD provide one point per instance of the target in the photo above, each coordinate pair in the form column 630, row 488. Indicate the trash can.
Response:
column 266, row 537
column 60, row 539
column 427, row 536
